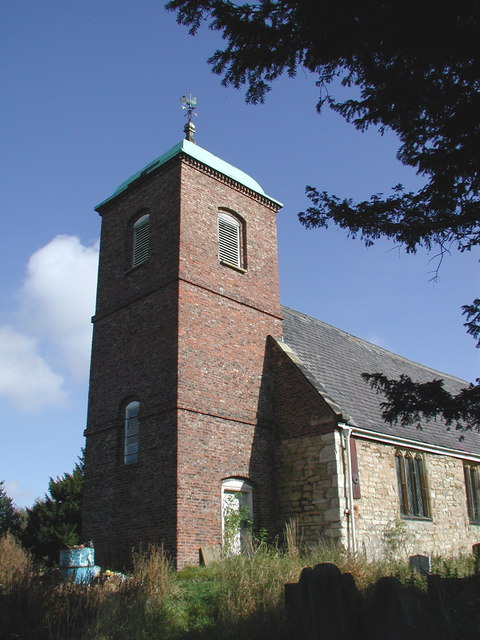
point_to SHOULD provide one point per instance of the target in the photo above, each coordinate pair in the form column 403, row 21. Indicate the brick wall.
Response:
column 211, row 450
column 225, row 315
column 127, row 504
column 299, row 409
column 119, row 284
column 186, row 337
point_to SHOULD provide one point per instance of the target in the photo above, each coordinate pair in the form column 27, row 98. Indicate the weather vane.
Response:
column 188, row 105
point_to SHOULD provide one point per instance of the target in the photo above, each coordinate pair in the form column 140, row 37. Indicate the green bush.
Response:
column 55, row 521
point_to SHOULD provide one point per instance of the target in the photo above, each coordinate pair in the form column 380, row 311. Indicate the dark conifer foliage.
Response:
column 55, row 522
column 415, row 70
column 10, row 518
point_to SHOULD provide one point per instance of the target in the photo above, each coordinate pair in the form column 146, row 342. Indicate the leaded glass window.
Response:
column 412, row 484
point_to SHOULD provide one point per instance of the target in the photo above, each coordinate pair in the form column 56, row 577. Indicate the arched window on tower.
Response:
column 230, row 231
column 132, row 432
column 141, row 240
column 237, row 513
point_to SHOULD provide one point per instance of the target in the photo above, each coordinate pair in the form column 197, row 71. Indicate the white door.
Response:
column 236, row 513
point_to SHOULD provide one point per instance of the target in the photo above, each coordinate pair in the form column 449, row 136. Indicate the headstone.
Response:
column 389, row 614
column 421, row 564
column 476, row 556
column 325, row 605
column 210, row 555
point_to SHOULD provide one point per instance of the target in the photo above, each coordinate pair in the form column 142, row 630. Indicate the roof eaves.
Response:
column 427, row 447
column 151, row 166
column 204, row 157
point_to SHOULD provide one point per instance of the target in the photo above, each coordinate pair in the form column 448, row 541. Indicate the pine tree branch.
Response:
column 410, row 402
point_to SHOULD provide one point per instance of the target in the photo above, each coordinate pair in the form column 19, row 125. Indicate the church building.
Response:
column 208, row 399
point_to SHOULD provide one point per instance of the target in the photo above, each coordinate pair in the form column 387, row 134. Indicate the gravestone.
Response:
column 211, row 554
column 421, row 564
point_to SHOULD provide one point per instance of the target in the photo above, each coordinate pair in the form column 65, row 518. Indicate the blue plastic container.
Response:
column 78, row 565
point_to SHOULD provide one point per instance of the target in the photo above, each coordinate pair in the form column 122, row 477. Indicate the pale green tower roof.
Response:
column 203, row 156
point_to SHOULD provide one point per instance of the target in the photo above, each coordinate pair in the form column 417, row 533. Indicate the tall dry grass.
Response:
column 239, row 598
column 35, row 605
column 141, row 606
column 153, row 572
column 16, row 564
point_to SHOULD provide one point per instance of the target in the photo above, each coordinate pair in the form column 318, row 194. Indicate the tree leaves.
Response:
column 10, row 519
column 55, row 521
column 415, row 71
column 472, row 312
column 409, row 402
column 417, row 76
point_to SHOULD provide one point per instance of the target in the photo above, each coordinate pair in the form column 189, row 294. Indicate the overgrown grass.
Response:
column 15, row 563
column 238, row 598
column 36, row 606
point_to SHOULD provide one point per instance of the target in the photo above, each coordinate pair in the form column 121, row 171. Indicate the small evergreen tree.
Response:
column 55, row 521
column 10, row 520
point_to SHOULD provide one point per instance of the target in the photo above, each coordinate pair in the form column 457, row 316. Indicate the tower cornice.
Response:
column 204, row 161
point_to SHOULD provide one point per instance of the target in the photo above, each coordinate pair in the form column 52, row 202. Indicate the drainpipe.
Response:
column 349, row 511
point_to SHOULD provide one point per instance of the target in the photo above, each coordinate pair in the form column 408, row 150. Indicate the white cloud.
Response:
column 25, row 378
column 58, row 300
column 21, row 496
column 53, row 336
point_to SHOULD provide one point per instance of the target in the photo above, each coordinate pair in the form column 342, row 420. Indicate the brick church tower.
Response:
column 179, row 421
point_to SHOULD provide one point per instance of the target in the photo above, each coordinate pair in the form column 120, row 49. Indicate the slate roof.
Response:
column 336, row 360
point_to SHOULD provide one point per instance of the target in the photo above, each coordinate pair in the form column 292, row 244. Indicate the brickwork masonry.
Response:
column 186, row 337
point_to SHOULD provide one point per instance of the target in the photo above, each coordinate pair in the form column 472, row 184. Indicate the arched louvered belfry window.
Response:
column 132, row 432
column 141, row 240
column 229, row 239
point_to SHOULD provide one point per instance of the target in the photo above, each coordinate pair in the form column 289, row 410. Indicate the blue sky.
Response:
column 90, row 95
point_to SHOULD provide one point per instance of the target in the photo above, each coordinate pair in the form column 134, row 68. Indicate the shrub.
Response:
column 15, row 563
column 55, row 521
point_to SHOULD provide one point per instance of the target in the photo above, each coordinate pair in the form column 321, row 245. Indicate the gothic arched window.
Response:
column 472, row 488
column 412, row 484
